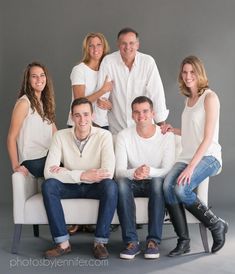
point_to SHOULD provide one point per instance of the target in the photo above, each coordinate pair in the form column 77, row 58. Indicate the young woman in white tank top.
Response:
column 200, row 157
column 32, row 123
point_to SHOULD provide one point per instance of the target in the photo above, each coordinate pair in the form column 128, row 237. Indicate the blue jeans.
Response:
column 127, row 190
column 175, row 193
column 105, row 191
column 36, row 166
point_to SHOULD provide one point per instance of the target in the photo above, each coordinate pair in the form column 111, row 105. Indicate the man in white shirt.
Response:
column 133, row 74
column 88, row 159
column 143, row 157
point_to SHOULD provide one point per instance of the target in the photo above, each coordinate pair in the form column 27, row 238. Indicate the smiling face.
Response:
column 37, row 79
column 128, row 44
column 95, row 48
column 189, row 77
column 82, row 118
column 142, row 114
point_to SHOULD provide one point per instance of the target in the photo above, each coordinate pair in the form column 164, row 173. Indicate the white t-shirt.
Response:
column 35, row 136
column 132, row 151
column 142, row 79
column 84, row 75
column 192, row 131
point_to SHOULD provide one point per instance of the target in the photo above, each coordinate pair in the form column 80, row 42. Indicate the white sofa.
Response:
column 28, row 207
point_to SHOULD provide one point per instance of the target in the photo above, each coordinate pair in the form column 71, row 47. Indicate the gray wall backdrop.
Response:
column 52, row 31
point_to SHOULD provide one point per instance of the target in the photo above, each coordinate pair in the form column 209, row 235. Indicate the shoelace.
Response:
column 130, row 246
column 151, row 244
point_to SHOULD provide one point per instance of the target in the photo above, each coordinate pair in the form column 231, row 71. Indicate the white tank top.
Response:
column 34, row 137
column 192, row 131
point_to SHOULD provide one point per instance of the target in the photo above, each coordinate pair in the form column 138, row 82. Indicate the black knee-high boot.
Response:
column 178, row 219
column 217, row 226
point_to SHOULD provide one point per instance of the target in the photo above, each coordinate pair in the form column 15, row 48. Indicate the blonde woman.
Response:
column 84, row 77
column 200, row 157
column 33, row 122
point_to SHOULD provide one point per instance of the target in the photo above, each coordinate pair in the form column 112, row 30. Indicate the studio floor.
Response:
column 30, row 259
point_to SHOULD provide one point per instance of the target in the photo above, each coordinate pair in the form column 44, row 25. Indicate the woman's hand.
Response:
column 185, row 176
column 104, row 103
column 21, row 169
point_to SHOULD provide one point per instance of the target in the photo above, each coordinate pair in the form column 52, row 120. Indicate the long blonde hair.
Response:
column 85, row 46
column 200, row 73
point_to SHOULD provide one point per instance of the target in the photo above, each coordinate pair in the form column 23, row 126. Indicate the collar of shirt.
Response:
column 135, row 61
column 82, row 143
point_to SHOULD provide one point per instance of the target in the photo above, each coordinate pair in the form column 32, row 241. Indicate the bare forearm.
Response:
column 12, row 151
column 96, row 95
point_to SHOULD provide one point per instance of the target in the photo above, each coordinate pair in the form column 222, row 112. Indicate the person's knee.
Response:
column 123, row 186
column 110, row 187
column 156, row 186
column 168, row 186
column 49, row 186
column 180, row 192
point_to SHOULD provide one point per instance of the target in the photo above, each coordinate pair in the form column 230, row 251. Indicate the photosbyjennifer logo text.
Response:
column 75, row 262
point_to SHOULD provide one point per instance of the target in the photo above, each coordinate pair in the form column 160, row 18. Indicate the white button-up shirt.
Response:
column 142, row 80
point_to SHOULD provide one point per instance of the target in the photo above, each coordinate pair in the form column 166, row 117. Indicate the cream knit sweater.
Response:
column 97, row 153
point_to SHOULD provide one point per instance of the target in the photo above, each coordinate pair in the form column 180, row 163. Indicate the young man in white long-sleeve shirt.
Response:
column 87, row 155
column 143, row 157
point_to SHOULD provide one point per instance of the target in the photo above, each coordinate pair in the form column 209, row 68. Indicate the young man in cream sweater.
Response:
column 143, row 157
column 87, row 155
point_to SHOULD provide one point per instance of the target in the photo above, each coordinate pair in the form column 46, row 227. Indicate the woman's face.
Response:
column 189, row 77
column 95, row 48
column 37, row 79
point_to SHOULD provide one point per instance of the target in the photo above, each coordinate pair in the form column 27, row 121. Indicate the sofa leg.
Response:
column 203, row 232
column 16, row 238
column 36, row 230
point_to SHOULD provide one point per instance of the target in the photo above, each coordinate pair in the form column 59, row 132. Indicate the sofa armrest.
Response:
column 23, row 188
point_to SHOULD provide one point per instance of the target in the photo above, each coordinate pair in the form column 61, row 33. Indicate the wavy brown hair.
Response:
column 85, row 46
column 47, row 110
column 200, row 73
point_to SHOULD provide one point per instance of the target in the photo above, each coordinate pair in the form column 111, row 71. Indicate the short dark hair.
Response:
column 81, row 101
column 127, row 30
column 140, row 100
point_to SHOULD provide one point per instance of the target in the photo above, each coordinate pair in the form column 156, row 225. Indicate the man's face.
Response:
column 128, row 44
column 82, row 117
column 142, row 114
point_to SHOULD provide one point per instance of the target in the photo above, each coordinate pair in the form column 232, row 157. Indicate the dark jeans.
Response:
column 105, row 191
column 127, row 190
column 36, row 166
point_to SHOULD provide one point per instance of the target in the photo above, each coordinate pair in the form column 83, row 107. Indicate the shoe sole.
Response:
column 151, row 256
column 57, row 256
column 101, row 258
column 176, row 255
column 129, row 257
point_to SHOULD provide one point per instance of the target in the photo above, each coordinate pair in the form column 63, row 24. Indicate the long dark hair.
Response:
column 47, row 112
